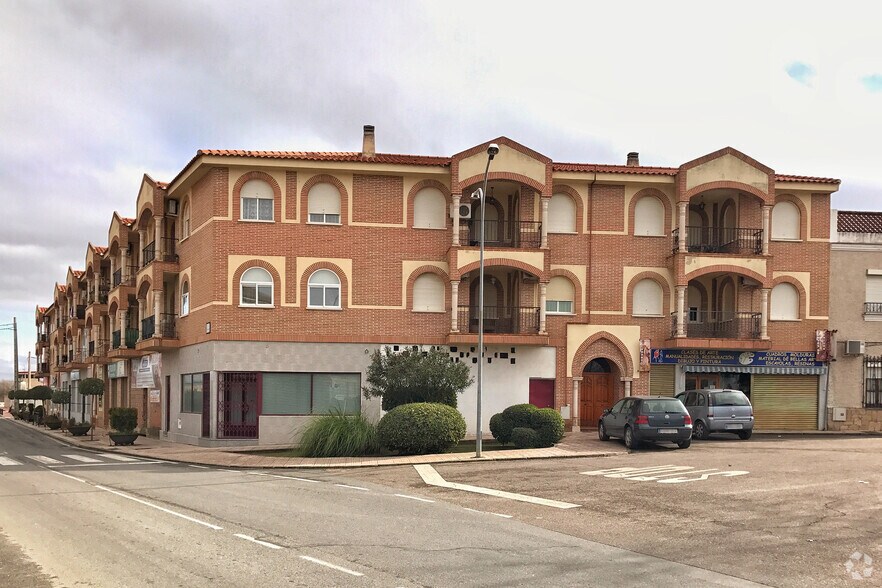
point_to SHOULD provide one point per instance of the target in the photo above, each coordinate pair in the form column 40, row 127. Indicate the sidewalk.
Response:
column 573, row 445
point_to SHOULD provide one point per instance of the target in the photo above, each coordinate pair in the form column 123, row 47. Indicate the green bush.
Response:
column 420, row 428
column 124, row 420
column 52, row 421
column 549, row 427
column 339, row 435
column 415, row 376
column 500, row 428
column 524, row 437
column 521, row 415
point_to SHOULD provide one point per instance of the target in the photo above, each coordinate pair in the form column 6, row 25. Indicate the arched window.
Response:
column 324, row 290
column 185, row 299
column 324, row 204
column 559, row 296
column 561, row 214
column 785, row 303
column 256, row 288
column 647, row 298
column 185, row 220
column 649, row 217
column 257, row 201
column 785, row 221
column 428, row 294
column 429, row 209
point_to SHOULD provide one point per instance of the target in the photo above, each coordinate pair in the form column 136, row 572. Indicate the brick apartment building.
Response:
column 250, row 291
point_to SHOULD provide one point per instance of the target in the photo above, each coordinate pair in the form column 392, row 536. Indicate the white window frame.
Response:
column 185, row 219
column 258, row 200
column 258, row 286
column 185, row 298
column 310, row 285
column 324, row 218
column 555, row 307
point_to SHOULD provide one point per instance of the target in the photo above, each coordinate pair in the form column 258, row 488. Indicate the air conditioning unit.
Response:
column 172, row 207
column 461, row 211
column 853, row 347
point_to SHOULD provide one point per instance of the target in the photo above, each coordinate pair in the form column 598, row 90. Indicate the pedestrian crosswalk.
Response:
column 69, row 459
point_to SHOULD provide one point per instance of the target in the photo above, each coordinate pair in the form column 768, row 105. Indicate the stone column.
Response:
column 767, row 214
column 575, row 410
column 543, row 291
column 123, row 325
column 627, row 386
column 157, row 239
column 454, row 213
column 681, row 224
column 764, row 308
column 157, row 313
column 127, row 263
column 142, row 310
column 544, row 239
column 454, row 306
column 139, row 255
column 681, row 311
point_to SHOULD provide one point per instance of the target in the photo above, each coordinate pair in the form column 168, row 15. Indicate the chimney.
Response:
column 369, row 147
column 633, row 159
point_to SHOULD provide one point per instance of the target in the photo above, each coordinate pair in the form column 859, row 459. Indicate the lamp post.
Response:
column 480, row 193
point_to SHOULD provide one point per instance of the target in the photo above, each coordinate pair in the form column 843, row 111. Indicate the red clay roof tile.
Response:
column 330, row 156
column 811, row 179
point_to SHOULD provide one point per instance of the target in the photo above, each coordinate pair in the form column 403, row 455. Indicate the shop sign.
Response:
column 823, row 339
column 116, row 369
column 154, row 396
column 147, row 371
column 742, row 358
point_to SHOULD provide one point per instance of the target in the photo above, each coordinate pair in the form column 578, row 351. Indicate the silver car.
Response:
column 718, row 411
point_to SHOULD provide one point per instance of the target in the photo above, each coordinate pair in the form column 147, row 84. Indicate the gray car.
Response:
column 718, row 411
column 646, row 418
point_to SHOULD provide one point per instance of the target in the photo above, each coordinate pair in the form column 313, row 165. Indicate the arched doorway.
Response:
column 596, row 391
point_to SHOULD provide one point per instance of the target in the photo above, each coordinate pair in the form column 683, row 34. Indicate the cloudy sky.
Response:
column 95, row 94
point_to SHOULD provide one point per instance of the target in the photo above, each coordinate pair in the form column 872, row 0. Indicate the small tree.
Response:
column 42, row 393
column 415, row 376
column 90, row 387
column 62, row 397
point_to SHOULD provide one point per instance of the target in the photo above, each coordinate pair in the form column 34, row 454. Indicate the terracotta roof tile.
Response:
column 331, row 156
column 127, row 221
column 859, row 222
column 810, row 179
column 100, row 250
column 62, row 288
column 614, row 169
column 42, row 309
column 162, row 185
column 78, row 273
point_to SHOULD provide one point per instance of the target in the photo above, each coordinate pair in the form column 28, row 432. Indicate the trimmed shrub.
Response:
column 500, row 428
column 524, row 437
column 339, row 435
column 123, row 420
column 39, row 411
column 549, row 427
column 503, row 423
column 52, row 421
column 420, row 428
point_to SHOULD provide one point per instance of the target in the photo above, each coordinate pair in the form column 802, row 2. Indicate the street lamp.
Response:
column 480, row 193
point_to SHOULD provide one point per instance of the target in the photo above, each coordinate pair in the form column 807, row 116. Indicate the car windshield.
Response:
column 662, row 406
column 733, row 398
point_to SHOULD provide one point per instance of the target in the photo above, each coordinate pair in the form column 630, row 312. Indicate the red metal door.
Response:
column 542, row 393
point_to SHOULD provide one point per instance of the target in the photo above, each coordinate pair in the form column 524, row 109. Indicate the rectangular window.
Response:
column 303, row 394
column 559, row 306
column 257, row 209
column 191, row 393
column 185, row 303
column 872, row 382
column 265, row 294
column 328, row 219
column 249, row 294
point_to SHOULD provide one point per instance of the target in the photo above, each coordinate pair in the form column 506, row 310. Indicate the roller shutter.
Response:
column 661, row 380
column 785, row 402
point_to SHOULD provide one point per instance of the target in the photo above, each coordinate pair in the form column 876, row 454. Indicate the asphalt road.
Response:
column 69, row 521
column 788, row 511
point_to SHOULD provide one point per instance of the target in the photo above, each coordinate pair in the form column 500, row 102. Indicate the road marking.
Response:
column 157, row 507
column 118, row 457
column 102, row 464
column 414, row 498
column 8, row 461
column 330, row 565
column 68, row 476
column 353, row 487
column 281, row 477
column 82, row 458
column 495, row 514
column 664, row 474
column 258, row 541
column 43, row 459
column 201, row 467
column 433, row 478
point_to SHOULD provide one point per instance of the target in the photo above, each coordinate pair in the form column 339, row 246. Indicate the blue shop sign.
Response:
column 735, row 358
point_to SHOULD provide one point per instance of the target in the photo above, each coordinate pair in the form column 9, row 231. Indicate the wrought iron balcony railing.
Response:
column 169, row 249
column 509, row 320
column 148, row 327
column 720, row 324
column 527, row 234
column 115, row 340
column 148, row 254
column 168, row 326
column 721, row 240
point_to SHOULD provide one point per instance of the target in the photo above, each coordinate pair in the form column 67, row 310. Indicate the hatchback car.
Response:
column 718, row 411
column 647, row 418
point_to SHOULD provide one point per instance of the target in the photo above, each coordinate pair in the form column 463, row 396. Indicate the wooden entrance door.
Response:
column 595, row 395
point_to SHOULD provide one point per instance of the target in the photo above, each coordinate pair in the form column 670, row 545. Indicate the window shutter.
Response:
column 429, row 209
column 561, row 214
column 874, row 289
column 649, row 217
column 428, row 294
column 324, row 199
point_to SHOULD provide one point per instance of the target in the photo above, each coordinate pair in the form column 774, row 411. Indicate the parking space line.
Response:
column 330, row 565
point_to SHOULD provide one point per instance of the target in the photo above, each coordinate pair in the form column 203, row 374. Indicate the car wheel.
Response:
column 745, row 435
column 700, row 431
column 630, row 442
column 684, row 444
column 601, row 432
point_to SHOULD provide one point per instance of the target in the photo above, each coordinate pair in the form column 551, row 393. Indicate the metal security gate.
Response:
column 661, row 380
column 237, row 405
column 785, row 402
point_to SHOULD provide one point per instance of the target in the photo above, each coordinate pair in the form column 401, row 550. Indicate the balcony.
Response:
column 97, row 352
column 873, row 309
column 525, row 234
column 120, row 348
column 720, row 325
column 169, row 249
column 515, row 325
column 148, row 254
column 102, row 295
column 148, row 327
column 42, row 368
column 724, row 240
column 165, row 338
column 126, row 278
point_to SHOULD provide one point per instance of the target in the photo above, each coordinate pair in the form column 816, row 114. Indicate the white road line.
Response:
column 82, row 458
column 330, row 565
column 68, row 476
column 8, row 461
column 353, row 487
column 258, row 541
column 495, row 514
column 201, row 467
column 281, row 477
column 157, row 507
column 118, row 457
column 43, row 459
column 433, row 478
column 101, row 464
column 414, row 498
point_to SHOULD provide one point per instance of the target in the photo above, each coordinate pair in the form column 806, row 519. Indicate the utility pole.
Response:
column 15, row 351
